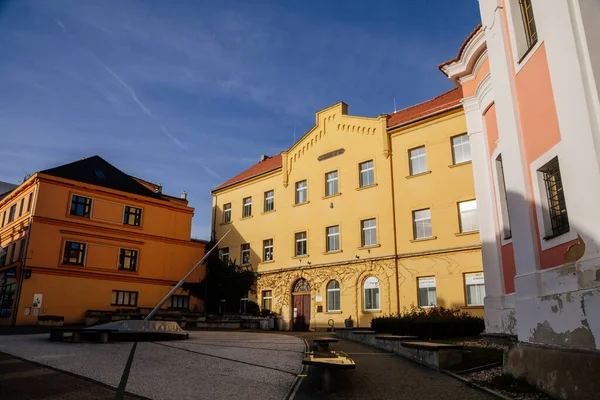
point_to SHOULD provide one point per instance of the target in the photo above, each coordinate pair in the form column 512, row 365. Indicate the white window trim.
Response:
column 414, row 215
column 365, row 294
column 225, row 211
column 223, row 252
column 541, row 202
column 298, row 190
column 328, row 180
column 460, row 216
column 331, row 235
column 360, row 172
column 269, row 195
column 305, row 240
column 498, row 197
column 363, row 229
column 411, row 158
column 468, row 143
column 265, row 247
column 338, row 289
column 242, row 254
column 244, row 207
column 513, row 36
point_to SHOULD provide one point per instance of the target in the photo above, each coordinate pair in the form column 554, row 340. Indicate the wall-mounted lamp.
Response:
column 308, row 262
column 357, row 256
column 331, row 205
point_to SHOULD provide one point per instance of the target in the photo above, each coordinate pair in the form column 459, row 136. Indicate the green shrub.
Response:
column 252, row 308
column 430, row 323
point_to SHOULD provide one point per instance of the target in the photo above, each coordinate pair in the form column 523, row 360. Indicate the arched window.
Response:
column 371, row 287
column 301, row 285
column 333, row 296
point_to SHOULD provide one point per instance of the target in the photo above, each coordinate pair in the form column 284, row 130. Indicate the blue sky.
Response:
column 190, row 93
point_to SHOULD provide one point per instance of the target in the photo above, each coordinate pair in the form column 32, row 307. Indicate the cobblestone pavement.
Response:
column 23, row 380
column 380, row 376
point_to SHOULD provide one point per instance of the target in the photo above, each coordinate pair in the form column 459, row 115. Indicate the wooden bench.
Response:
column 323, row 343
column 58, row 334
column 326, row 362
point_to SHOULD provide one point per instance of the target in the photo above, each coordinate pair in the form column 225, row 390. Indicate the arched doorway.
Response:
column 301, row 305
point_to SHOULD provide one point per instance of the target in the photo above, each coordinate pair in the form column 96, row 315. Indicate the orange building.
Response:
column 86, row 236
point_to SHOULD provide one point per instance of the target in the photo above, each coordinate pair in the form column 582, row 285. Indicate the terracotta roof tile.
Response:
column 439, row 103
column 462, row 48
column 262, row 167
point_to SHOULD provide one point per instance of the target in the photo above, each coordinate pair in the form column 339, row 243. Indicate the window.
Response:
column 21, row 249
column 371, row 286
column 333, row 296
column 3, row 218
column 475, row 288
column 300, row 244
column 227, row 213
column 427, row 293
column 366, row 173
column 225, row 255
column 81, row 206
column 557, row 207
column 124, row 298
column 21, row 206
column 245, row 254
column 333, row 238
column 468, row 216
column 266, row 299
column 301, row 195
column 132, row 216
column 268, row 250
column 179, row 301
column 13, row 248
column 128, row 259
column 247, row 209
column 3, row 255
column 11, row 213
column 528, row 22
column 243, row 305
column 269, row 201
column 461, row 149
column 418, row 161
column 331, row 183
column 422, row 224
column 7, row 296
column 74, row 253
column 29, row 199
column 369, row 232
column 506, row 232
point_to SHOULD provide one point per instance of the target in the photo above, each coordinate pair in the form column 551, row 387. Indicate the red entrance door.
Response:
column 301, row 312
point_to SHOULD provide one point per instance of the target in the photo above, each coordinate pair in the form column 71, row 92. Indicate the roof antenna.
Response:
column 394, row 104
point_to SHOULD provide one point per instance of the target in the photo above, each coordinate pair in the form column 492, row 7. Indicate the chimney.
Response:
column 184, row 195
column 158, row 189
column 263, row 157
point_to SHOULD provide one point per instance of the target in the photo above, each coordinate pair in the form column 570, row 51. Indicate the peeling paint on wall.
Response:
column 577, row 338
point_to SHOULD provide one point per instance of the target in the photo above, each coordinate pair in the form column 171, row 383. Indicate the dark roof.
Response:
column 442, row 102
column 6, row 188
column 97, row 171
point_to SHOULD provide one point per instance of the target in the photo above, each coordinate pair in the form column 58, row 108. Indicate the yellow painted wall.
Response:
column 447, row 257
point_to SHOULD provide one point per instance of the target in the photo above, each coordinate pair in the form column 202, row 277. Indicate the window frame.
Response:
column 363, row 242
column 298, row 190
column 13, row 250
column 419, row 278
column 87, row 206
column 264, row 298
column 179, row 297
column 269, row 200
column 465, row 275
column 115, row 295
column 370, row 171
column 137, row 215
column 245, row 247
column 334, row 182
column 82, row 250
column 328, row 249
column 296, row 241
column 414, row 218
column 247, row 206
column 468, row 143
column 226, row 213
column 332, row 293
column 526, row 8
column 268, row 244
column 553, row 230
column 460, row 216
column 378, row 292
column 133, row 259
column 12, row 213
column 502, row 200
column 411, row 158
column 222, row 251
column 21, row 206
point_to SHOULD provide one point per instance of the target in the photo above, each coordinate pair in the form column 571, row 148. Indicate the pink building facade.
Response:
column 530, row 75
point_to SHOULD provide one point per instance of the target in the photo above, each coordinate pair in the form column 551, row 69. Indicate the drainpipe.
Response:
column 394, row 224
column 15, row 312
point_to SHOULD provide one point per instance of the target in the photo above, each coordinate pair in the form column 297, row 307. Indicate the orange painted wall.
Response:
column 469, row 88
column 165, row 251
column 509, row 269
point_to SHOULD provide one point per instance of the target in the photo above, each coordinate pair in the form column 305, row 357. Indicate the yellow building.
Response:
column 360, row 218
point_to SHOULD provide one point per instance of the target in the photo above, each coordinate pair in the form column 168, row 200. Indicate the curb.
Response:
column 476, row 386
column 298, row 381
